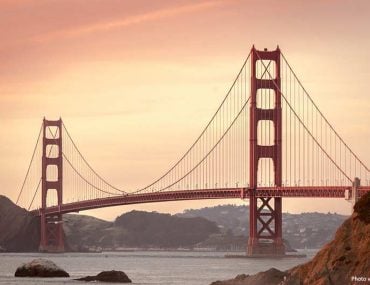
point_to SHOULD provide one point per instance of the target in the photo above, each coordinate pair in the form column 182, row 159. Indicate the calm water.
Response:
column 145, row 267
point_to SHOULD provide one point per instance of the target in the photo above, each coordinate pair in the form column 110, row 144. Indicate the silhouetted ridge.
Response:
column 19, row 230
column 163, row 230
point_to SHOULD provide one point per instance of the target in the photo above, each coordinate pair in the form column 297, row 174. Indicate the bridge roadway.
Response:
column 202, row 194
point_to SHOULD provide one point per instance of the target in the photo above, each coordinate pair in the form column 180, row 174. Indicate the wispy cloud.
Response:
column 131, row 20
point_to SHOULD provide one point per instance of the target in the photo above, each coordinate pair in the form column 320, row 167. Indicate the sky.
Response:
column 136, row 81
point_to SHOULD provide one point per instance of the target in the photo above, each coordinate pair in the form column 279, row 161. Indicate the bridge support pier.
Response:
column 265, row 237
column 355, row 185
column 265, row 216
column 52, row 235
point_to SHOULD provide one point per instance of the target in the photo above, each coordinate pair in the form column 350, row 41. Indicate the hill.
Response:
column 311, row 230
column 19, row 230
column 143, row 229
column 136, row 229
column 221, row 228
column 84, row 233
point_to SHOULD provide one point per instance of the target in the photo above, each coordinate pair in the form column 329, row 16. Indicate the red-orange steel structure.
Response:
column 204, row 194
column 52, row 235
column 265, row 219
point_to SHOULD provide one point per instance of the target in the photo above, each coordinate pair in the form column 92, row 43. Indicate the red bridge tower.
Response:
column 52, row 235
column 265, row 216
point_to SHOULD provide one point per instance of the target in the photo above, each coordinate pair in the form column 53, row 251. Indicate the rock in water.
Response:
column 108, row 276
column 40, row 268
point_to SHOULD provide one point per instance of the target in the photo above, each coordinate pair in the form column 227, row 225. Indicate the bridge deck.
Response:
column 202, row 194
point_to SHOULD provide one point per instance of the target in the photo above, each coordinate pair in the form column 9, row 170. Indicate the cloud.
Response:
column 131, row 20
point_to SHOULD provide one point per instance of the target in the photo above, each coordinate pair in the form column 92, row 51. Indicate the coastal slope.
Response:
column 347, row 256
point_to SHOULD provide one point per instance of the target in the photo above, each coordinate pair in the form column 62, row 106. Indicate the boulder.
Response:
column 40, row 268
column 108, row 276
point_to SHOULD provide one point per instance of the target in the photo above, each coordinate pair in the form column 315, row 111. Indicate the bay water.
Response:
column 146, row 267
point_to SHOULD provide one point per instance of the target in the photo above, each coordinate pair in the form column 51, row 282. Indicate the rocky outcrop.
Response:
column 339, row 262
column 40, row 268
column 347, row 256
column 108, row 276
column 362, row 208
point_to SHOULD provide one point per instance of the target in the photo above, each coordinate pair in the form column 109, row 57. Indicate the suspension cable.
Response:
column 83, row 158
column 210, row 151
column 29, row 166
column 326, row 120
column 308, row 131
column 38, row 185
column 202, row 133
column 83, row 178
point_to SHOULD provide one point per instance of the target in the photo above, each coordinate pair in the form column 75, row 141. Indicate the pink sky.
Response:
column 162, row 67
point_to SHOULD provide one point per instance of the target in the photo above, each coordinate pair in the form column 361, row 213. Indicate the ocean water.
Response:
column 146, row 267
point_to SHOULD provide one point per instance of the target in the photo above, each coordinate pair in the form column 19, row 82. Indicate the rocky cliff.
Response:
column 347, row 256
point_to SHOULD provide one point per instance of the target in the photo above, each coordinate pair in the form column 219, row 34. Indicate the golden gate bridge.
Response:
column 267, row 140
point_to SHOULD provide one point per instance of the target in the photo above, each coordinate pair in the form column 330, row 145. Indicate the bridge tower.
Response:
column 52, row 235
column 265, row 230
